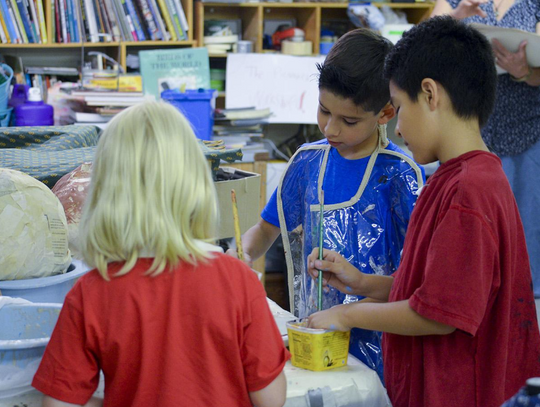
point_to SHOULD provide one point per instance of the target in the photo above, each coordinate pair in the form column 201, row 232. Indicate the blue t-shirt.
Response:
column 341, row 182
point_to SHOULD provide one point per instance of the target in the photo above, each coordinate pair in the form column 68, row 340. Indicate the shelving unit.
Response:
column 309, row 17
column 66, row 53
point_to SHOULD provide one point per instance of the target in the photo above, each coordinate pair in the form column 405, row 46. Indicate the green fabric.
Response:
column 215, row 151
column 47, row 152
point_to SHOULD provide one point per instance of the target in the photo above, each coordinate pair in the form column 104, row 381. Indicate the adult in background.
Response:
column 513, row 130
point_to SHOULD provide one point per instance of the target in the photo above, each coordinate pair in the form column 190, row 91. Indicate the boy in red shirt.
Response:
column 168, row 320
column 458, row 315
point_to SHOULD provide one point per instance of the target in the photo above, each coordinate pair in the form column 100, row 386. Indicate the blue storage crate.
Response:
column 197, row 106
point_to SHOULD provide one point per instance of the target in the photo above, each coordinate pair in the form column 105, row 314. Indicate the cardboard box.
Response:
column 248, row 190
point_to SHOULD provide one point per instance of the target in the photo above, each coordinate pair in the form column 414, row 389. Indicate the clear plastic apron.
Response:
column 368, row 230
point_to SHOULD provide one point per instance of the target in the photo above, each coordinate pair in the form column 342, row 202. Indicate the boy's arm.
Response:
column 257, row 240
column 392, row 317
column 273, row 395
column 343, row 276
column 52, row 402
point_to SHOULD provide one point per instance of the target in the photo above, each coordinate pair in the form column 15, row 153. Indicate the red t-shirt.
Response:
column 198, row 336
column 465, row 264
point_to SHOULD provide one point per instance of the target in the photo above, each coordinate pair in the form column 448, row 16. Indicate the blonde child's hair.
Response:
column 151, row 191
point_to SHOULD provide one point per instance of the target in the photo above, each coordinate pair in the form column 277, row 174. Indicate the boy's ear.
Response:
column 386, row 114
column 430, row 93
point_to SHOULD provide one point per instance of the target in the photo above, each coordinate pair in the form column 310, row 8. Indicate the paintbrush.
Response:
column 321, row 241
column 237, row 233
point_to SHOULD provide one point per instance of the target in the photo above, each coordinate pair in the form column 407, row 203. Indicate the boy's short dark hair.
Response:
column 354, row 69
column 453, row 54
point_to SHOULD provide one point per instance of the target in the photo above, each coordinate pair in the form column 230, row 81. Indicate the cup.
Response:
column 244, row 47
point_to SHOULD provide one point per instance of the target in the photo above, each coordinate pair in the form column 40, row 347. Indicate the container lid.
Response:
column 34, row 95
column 189, row 94
column 533, row 386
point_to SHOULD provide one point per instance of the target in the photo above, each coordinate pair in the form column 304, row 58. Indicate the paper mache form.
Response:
column 72, row 190
column 33, row 236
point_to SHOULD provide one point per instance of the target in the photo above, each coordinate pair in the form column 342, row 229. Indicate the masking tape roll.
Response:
column 296, row 48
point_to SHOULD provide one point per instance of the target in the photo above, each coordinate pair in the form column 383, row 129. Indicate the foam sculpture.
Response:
column 33, row 232
column 72, row 190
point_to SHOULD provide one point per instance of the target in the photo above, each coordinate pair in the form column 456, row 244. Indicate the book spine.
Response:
column 62, row 15
column 120, row 16
column 149, row 19
column 91, row 18
column 25, row 20
column 182, row 16
column 76, row 28
column 69, row 20
column 135, row 19
column 5, row 27
column 168, row 20
column 57, row 25
column 3, row 31
column 99, row 21
column 159, row 20
column 35, row 20
column 175, row 20
column 19, row 20
column 13, row 19
column 106, row 21
column 129, row 21
column 9, row 22
column 41, row 16
column 113, row 20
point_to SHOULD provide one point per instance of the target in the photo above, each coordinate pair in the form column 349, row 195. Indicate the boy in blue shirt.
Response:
column 369, row 184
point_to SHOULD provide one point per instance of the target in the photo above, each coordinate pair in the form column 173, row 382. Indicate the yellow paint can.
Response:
column 317, row 349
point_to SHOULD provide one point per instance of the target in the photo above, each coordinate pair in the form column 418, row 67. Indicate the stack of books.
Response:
column 241, row 128
column 98, row 107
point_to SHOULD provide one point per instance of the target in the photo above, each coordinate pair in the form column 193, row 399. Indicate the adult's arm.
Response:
column 465, row 8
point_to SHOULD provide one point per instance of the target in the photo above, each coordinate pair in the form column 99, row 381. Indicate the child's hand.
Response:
column 247, row 257
column 469, row 8
column 337, row 271
column 333, row 318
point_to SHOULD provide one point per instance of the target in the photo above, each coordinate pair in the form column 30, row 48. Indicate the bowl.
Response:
column 51, row 289
column 26, row 329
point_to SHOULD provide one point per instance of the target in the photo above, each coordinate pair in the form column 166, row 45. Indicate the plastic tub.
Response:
column 5, row 116
column 317, row 349
column 26, row 329
column 198, row 107
column 45, row 289
column 4, row 87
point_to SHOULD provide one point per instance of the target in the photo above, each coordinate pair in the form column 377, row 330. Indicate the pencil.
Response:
column 237, row 233
column 321, row 241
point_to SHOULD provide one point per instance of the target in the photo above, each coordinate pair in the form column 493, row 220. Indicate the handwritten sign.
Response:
column 286, row 84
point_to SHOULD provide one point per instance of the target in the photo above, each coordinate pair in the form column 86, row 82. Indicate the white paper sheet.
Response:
column 511, row 38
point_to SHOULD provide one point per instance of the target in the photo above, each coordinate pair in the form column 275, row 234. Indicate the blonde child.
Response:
column 168, row 319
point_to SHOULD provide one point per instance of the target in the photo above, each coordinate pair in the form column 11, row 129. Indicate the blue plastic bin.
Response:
column 26, row 329
column 198, row 107
column 45, row 289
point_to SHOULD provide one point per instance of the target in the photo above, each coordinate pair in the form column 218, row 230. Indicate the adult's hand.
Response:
column 469, row 8
column 515, row 63
column 337, row 271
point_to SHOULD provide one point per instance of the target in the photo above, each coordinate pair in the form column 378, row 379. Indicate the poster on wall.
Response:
column 286, row 84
